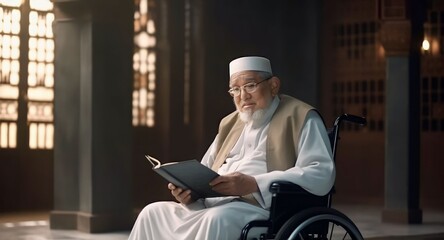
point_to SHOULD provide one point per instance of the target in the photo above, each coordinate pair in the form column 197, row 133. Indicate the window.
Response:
column 40, row 75
column 27, row 72
column 144, row 64
column 10, row 17
column 432, row 74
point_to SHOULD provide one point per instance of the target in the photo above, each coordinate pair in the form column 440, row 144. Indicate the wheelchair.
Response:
column 298, row 214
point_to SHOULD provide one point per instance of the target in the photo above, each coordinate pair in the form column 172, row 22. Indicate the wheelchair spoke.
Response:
column 331, row 231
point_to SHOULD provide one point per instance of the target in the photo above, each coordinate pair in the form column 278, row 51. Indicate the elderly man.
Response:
column 270, row 137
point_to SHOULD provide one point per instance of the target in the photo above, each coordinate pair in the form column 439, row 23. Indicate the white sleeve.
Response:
column 314, row 169
column 210, row 155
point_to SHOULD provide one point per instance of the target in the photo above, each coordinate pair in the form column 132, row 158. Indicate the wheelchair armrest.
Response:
column 286, row 188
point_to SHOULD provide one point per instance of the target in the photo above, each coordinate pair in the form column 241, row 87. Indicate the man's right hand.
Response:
column 182, row 196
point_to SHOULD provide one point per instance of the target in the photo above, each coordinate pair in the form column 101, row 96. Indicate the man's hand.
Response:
column 235, row 184
column 183, row 196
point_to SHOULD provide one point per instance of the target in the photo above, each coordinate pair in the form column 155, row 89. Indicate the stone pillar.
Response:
column 401, row 37
column 93, row 95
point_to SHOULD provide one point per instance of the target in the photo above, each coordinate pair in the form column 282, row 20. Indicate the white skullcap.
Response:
column 250, row 64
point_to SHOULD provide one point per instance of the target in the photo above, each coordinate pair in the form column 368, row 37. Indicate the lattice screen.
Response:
column 10, row 17
column 144, row 64
column 432, row 71
column 27, row 72
column 358, row 71
column 40, row 93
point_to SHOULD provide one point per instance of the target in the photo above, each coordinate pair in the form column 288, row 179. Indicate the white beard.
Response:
column 249, row 116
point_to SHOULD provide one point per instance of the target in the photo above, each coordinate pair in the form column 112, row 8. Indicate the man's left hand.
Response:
column 235, row 184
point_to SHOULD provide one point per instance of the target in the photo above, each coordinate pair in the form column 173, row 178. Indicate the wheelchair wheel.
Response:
column 319, row 223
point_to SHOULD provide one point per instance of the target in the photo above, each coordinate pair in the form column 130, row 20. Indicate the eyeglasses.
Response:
column 249, row 88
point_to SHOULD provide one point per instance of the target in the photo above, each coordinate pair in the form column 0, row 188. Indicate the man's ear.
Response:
column 275, row 85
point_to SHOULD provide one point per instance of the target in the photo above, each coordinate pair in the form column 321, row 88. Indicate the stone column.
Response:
column 93, row 94
column 401, row 36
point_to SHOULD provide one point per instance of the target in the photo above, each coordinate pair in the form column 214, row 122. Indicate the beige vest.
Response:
column 282, row 140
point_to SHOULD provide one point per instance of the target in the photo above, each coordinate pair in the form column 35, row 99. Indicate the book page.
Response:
column 156, row 163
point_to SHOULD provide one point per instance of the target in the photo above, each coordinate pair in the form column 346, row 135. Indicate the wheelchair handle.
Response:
column 351, row 118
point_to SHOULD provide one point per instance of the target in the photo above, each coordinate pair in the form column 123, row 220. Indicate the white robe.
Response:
column 224, row 217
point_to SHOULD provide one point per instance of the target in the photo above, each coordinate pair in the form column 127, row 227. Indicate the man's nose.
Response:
column 244, row 94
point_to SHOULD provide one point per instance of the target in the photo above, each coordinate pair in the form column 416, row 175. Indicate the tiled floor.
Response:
column 34, row 226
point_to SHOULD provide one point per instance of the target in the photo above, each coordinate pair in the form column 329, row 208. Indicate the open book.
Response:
column 189, row 174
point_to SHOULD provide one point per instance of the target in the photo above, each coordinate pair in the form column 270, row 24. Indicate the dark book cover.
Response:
column 189, row 174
